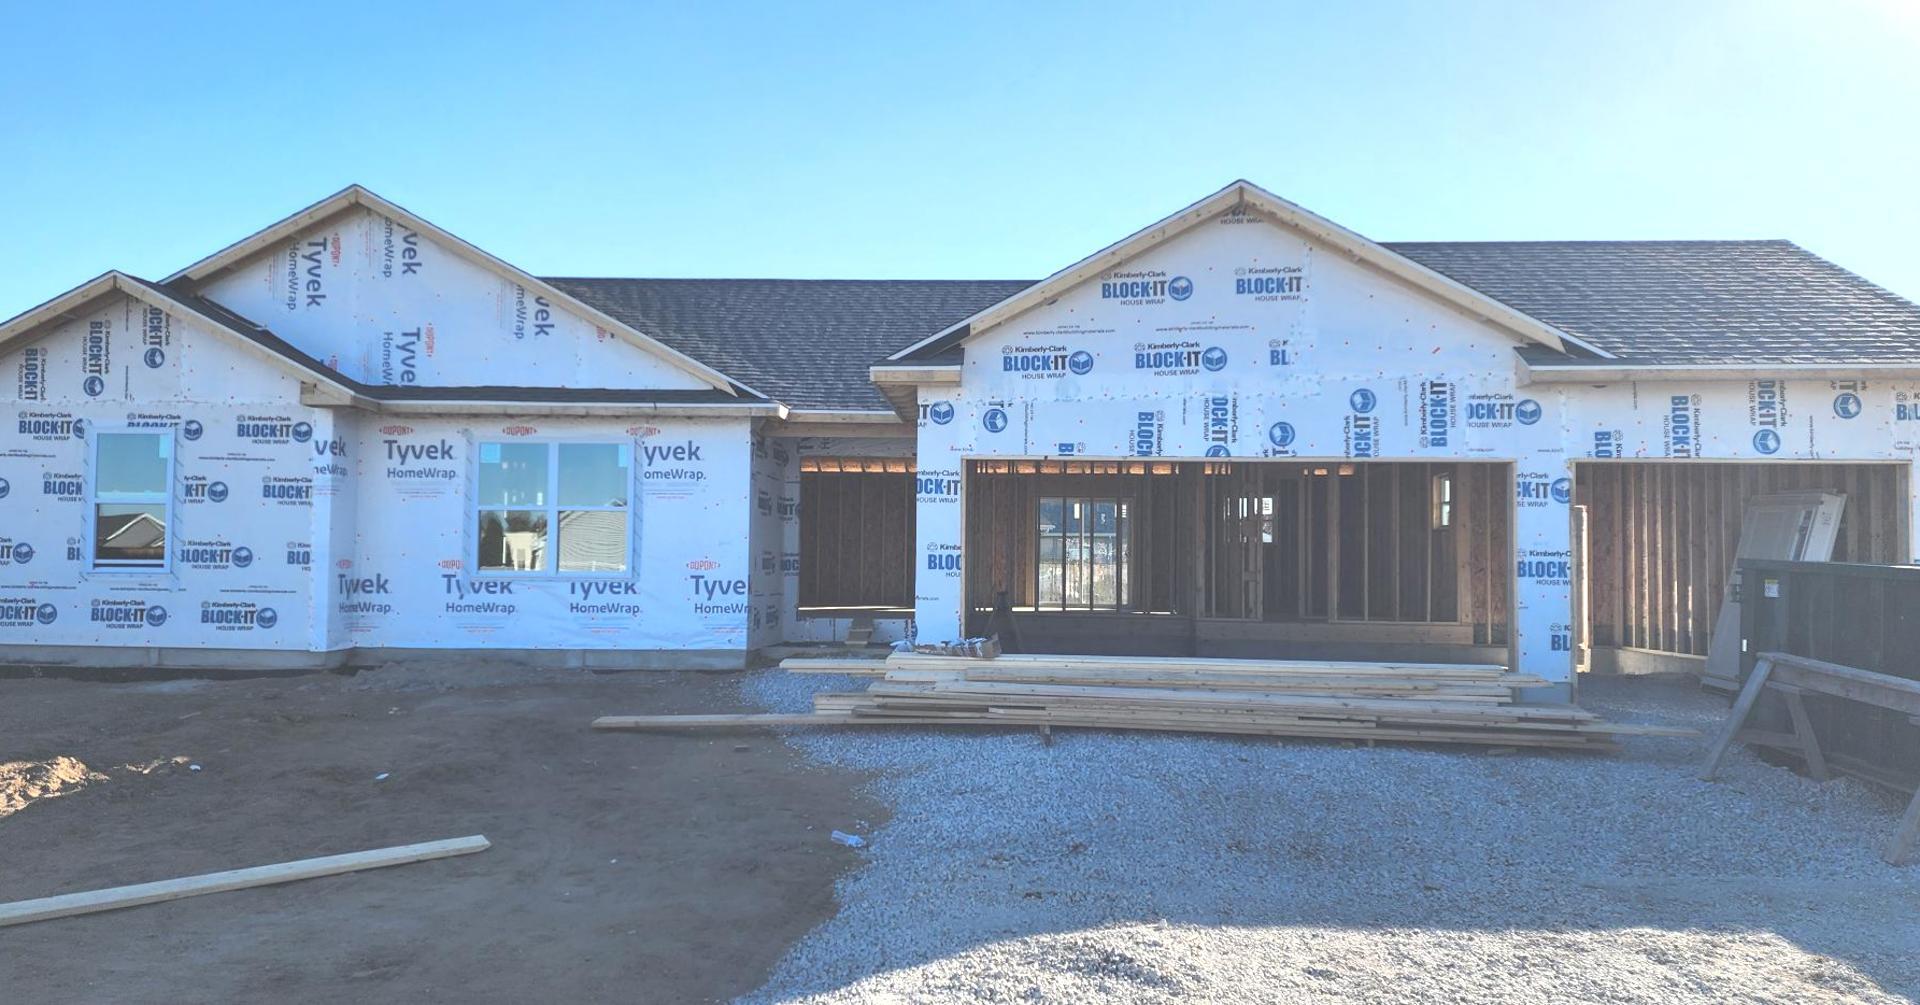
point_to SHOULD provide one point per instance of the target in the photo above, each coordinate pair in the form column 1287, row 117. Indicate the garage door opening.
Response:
column 1662, row 536
column 856, row 537
column 1313, row 559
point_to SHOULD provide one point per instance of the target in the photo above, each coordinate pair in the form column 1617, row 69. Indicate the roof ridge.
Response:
column 761, row 279
column 1693, row 241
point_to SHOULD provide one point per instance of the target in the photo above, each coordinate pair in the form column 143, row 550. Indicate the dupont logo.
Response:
column 644, row 432
column 703, row 564
column 126, row 614
column 939, row 413
column 396, row 430
column 518, row 430
column 26, row 612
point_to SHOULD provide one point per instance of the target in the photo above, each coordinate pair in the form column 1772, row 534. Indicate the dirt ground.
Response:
column 624, row 866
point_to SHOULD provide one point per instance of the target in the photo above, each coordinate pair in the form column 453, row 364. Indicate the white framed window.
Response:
column 555, row 509
column 130, row 498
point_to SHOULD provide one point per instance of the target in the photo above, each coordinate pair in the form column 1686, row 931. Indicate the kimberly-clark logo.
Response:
column 199, row 489
column 32, row 374
column 1495, row 411
column 1265, row 284
column 1766, row 441
column 943, row 558
column 1281, row 434
column 1767, row 404
column 271, row 429
column 26, row 612
column 994, row 420
column 1438, row 407
column 1363, row 400
column 1044, row 362
column 213, row 555
column 1681, row 425
column 1145, row 287
column 237, row 615
column 1539, row 488
column 192, row 429
column 1222, row 419
column 1362, row 432
column 62, row 486
column 96, row 356
column 126, row 614
column 1545, row 568
column 1149, row 429
column 937, row 412
column 51, row 426
column 1165, row 359
column 937, row 486
column 1846, row 405
column 287, row 491
column 15, row 552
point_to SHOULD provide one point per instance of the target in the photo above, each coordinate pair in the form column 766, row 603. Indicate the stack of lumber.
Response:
column 1424, row 703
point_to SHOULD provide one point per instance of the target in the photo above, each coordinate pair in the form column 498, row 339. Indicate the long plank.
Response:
column 673, row 722
column 113, row 898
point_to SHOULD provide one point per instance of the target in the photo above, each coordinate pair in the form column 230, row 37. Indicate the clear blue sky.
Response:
column 980, row 140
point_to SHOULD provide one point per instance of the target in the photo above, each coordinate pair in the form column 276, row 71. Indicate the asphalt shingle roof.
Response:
column 809, row 342
column 805, row 342
column 1676, row 302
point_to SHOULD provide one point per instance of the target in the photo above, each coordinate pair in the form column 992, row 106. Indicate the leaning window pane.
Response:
column 594, row 474
column 513, row 540
column 130, row 534
column 1050, row 583
column 593, row 540
column 131, row 464
column 1077, row 578
column 513, row 474
column 1106, row 580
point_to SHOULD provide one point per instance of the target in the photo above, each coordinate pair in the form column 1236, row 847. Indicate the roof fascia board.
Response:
column 613, row 409
column 355, row 195
column 842, row 415
column 1287, row 214
column 883, row 374
column 1533, row 373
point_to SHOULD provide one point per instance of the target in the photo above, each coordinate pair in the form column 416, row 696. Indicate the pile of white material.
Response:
column 1154, row 868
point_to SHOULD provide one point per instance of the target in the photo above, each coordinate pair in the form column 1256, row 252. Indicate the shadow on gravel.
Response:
column 1157, row 867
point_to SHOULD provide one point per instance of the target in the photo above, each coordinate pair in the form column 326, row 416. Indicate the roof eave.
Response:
column 1625, row 372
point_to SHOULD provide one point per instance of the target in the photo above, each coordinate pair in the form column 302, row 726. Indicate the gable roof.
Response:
column 254, row 337
column 1246, row 195
column 805, row 342
column 1687, row 303
column 354, row 196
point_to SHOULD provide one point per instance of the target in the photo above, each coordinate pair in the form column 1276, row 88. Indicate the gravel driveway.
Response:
column 1154, row 868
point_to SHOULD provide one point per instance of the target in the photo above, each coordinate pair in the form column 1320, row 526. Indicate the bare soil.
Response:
column 624, row 866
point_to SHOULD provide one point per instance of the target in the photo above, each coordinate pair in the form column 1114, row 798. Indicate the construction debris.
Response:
column 1425, row 703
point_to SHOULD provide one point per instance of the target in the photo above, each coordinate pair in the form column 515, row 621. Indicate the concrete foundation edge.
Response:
column 280, row 661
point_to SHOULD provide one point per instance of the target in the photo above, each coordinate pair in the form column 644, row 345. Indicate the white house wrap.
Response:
column 354, row 433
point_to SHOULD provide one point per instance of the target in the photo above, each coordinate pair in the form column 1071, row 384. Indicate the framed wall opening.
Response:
column 1322, row 559
column 1662, row 535
column 856, row 536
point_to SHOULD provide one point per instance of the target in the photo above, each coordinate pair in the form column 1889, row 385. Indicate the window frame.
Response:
column 170, row 440
column 553, row 508
column 1122, row 549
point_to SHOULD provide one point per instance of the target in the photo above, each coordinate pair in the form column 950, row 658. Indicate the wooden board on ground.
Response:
column 1422, row 703
column 113, row 898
